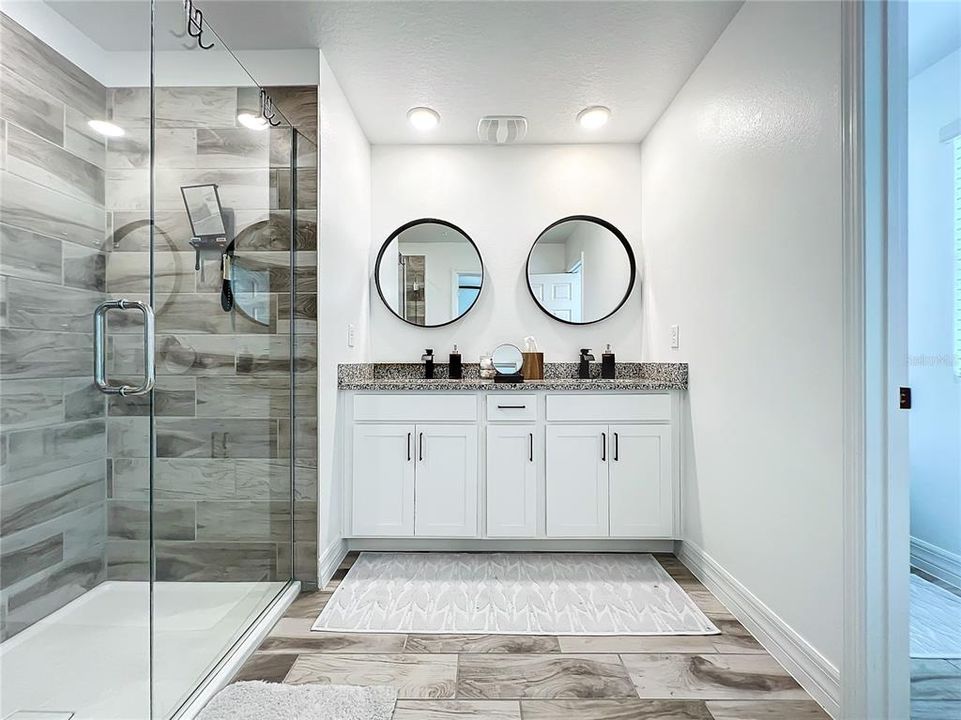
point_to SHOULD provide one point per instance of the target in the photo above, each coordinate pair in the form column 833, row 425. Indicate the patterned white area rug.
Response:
column 935, row 621
column 511, row 593
column 257, row 700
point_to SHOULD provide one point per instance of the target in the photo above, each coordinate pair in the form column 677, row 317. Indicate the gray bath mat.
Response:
column 511, row 593
column 273, row 701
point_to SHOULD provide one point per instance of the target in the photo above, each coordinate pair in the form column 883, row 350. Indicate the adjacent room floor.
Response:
column 936, row 683
column 504, row 677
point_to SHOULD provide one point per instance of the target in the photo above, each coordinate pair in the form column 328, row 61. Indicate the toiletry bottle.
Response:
column 428, row 358
column 607, row 364
column 454, row 365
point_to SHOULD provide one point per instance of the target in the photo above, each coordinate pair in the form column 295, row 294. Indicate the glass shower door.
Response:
column 222, row 266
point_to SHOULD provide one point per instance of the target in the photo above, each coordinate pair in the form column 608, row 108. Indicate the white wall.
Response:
column 741, row 218
column 934, row 100
column 503, row 197
column 343, row 248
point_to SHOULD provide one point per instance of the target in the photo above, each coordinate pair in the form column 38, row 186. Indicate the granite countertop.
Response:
column 399, row 377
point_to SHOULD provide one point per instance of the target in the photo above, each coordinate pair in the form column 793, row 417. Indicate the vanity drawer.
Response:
column 511, row 406
column 419, row 407
column 648, row 407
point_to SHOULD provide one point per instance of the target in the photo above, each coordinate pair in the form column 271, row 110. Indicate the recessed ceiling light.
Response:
column 591, row 118
column 251, row 121
column 105, row 128
column 423, row 118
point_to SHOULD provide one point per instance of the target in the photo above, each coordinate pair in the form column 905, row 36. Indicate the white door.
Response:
column 511, row 481
column 642, row 488
column 577, row 484
column 559, row 293
column 446, row 482
column 382, row 501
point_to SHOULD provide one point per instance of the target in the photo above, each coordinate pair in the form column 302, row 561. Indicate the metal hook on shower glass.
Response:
column 267, row 109
column 195, row 24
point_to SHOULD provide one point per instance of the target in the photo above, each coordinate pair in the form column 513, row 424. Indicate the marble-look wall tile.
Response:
column 233, row 147
column 130, row 230
column 173, row 148
column 82, row 400
column 19, row 564
column 201, row 313
column 46, row 68
column 131, row 520
column 54, row 589
column 29, row 256
column 29, row 354
column 172, row 396
column 30, row 403
column 243, row 521
column 237, row 188
column 268, row 354
column 200, row 355
column 299, row 106
column 81, row 140
column 41, row 498
column 39, row 306
column 216, row 562
column 48, row 164
column 175, row 107
column 253, row 396
column 216, row 438
column 84, row 268
column 26, row 205
column 128, row 559
column 274, row 233
column 30, row 107
column 128, row 437
column 43, row 450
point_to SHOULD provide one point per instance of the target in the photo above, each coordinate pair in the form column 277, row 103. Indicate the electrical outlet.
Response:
column 350, row 335
column 675, row 337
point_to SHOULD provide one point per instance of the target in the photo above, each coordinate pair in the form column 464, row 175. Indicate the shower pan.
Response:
column 153, row 434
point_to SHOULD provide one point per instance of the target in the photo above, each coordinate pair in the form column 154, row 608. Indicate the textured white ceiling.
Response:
column 544, row 60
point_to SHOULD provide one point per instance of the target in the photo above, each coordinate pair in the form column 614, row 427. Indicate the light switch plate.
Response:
column 675, row 337
column 350, row 335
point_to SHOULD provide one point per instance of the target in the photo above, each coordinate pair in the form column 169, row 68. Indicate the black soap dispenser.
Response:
column 428, row 358
column 454, row 366
column 607, row 364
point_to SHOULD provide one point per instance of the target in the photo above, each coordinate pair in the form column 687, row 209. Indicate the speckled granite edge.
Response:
column 557, row 376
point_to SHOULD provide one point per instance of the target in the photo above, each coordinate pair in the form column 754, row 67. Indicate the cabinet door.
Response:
column 446, row 483
column 642, row 487
column 382, row 500
column 511, row 481
column 577, row 487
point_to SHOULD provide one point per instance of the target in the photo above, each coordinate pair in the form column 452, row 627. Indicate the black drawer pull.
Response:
column 532, row 447
column 511, row 407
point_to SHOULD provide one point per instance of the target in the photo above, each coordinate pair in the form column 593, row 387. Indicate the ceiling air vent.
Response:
column 502, row 129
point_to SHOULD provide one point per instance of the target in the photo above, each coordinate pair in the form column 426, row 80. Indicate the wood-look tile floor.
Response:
column 936, row 684
column 517, row 677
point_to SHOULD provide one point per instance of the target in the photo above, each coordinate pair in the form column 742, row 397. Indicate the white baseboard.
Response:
column 329, row 561
column 244, row 648
column 813, row 671
column 941, row 563
column 519, row 545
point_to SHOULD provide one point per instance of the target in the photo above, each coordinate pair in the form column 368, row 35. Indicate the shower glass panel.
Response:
column 75, row 468
column 222, row 271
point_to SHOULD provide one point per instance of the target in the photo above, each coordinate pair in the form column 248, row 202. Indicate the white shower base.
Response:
column 92, row 657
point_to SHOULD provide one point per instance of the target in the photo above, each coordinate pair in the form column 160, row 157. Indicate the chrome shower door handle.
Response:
column 100, row 348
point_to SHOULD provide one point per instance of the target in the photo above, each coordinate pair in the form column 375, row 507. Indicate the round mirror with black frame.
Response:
column 429, row 273
column 581, row 270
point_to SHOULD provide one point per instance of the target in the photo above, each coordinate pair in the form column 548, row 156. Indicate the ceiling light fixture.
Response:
column 591, row 118
column 423, row 118
column 105, row 128
column 251, row 121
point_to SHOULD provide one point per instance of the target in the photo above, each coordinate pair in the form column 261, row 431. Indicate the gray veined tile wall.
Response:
column 53, row 480
column 222, row 403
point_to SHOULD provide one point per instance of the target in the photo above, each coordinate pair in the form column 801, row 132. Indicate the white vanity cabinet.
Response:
column 512, row 465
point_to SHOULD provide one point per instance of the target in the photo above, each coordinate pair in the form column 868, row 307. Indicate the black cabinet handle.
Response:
column 511, row 407
column 421, row 446
column 532, row 447
column 603, row 447
column 408, row 447
column 616, row 447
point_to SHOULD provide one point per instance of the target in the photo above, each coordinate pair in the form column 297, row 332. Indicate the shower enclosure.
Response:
column 149, row 518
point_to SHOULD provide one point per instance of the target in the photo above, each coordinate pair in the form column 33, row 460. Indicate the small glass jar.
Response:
column 487, row 371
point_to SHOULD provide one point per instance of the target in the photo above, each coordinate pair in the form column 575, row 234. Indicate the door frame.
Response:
column 875, row 670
